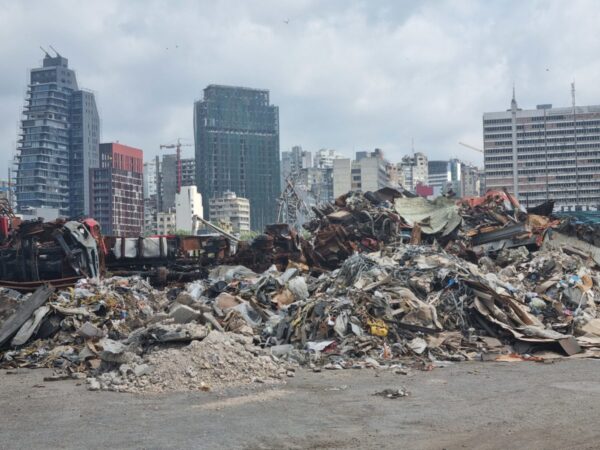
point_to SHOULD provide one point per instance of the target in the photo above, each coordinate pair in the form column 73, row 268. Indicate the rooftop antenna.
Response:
column 412, row 146
column 54, row 50
column 576, row 149
column 513, row 102
column 47, row 54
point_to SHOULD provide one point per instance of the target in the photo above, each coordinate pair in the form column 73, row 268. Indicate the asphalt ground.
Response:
column 524, row 405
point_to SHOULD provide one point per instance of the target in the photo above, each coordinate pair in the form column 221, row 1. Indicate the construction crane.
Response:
column 178, row 147
column 471, row 147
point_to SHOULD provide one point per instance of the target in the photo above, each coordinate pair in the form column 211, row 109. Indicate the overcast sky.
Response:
column 345, row 75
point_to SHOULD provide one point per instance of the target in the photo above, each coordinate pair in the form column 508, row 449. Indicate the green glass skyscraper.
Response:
column 236, row 134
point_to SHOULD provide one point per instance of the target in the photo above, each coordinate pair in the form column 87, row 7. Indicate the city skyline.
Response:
column 452, row 63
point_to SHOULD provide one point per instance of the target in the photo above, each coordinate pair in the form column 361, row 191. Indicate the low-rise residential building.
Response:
column 231, row 209
column 165, row 222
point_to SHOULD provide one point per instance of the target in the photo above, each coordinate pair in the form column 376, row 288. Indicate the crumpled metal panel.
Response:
column 438, row 216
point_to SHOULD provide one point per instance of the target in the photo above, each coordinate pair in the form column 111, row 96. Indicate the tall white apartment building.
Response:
column 188, row 203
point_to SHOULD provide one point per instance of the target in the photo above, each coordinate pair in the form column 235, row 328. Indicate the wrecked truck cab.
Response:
column 60, row 252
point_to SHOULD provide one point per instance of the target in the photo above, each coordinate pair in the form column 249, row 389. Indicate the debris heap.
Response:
column 383, row 280
column 219, row 360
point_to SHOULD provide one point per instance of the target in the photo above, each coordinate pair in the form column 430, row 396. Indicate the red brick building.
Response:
column 116, row 188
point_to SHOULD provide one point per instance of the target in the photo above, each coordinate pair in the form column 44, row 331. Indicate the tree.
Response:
column 248, row 235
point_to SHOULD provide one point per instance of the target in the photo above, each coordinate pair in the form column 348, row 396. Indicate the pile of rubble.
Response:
column 128, row 337
column 385, row 280
column 217, row 361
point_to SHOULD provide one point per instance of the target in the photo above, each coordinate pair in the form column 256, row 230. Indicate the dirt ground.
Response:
column 466, row 405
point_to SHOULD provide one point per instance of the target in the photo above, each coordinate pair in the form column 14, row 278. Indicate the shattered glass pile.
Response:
column 386, row 281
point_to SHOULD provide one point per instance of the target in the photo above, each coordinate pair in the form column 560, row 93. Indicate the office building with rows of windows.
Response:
column 545, row 154
column 236, row 134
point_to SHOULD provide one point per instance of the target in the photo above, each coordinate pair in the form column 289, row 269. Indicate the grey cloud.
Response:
column 346, row 75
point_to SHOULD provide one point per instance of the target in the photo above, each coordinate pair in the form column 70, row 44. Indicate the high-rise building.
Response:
column 117, row 190
column 461, row 178
column 293, row 162
column 151, row 197
column 414, row 170
column 437, row 176
column 188, row 203
column 231, row 210
column 317, row 182
column 84, row 154
column 236, row 133
column 59, row 140
column 343, row 178
column 151, row 174
column 324, row 158
column 545, row 154
column 470, row 181
column 168, row 178
column 314, row 178
column 395, row 176
column 368, row 172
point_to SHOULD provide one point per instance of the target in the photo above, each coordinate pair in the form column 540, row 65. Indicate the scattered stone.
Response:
column 142, row 369
column 94, row 385
column 281, row 350
column 112, row 351
column 392, row 393
column 183, row 314
column 185, row 299
column 90, row 331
